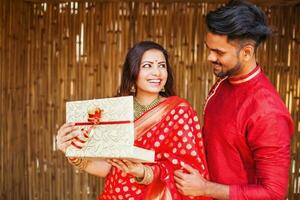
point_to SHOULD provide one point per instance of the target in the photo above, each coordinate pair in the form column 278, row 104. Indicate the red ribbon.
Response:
column 101, row 123
column 94, row 119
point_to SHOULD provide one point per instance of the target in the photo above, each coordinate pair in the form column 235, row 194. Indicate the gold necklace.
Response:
column 140, row 109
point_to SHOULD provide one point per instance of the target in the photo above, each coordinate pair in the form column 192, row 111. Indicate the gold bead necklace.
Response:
column 140, row 109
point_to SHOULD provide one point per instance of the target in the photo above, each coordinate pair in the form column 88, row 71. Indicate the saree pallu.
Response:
column 172, row 130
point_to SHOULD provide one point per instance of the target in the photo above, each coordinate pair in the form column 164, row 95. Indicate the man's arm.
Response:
column 269, row 138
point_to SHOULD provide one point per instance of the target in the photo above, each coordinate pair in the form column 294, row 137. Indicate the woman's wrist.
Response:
column 79, row 163
column 141, row 173
column 147, row 177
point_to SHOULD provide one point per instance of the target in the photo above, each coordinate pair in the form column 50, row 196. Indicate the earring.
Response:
column 132, row 89
column 163, row 89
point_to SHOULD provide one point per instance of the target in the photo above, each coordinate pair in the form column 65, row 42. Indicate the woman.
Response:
column 163, row 122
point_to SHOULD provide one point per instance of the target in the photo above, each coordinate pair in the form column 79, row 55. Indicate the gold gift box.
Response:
column 110, row 126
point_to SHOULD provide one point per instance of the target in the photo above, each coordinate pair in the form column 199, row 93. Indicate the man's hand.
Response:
column 191, row 183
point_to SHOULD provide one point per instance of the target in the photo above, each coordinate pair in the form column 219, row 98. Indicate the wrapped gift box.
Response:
column 107, row 127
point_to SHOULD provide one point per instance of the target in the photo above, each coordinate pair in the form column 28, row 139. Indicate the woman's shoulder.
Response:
column 181, row 102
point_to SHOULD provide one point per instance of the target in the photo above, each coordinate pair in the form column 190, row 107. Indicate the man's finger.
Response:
column 188, row 168
column 179, row 174
column 179, row 188
column 179, row 181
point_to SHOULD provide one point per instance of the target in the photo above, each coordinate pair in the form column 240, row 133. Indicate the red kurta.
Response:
column 175, row 136
column 247, row 133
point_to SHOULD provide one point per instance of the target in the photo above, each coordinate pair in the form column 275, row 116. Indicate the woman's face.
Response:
column 153, row 73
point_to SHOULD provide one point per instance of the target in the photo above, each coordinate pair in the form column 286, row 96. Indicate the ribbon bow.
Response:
column 94, row 116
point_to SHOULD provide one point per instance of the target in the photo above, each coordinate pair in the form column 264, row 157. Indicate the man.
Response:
column 247, row 129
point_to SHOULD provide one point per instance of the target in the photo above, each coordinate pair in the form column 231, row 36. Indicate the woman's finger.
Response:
column 115, row 165
column 63, row 146
column 66, row 125
column 65, row 131
column 66, row 145
column 121, row 164
column 130, row 163
column 71, row 135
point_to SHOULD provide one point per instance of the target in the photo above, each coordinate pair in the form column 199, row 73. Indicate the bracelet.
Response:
column 148, row 176
column 79, row 163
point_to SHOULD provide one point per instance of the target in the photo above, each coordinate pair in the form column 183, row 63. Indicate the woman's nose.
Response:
column 155, row 70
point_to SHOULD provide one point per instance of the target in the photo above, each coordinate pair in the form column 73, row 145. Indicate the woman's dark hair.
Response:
column 239, row 20
column 131, row 68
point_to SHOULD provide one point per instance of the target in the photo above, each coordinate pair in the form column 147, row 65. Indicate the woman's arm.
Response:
column 98, row 168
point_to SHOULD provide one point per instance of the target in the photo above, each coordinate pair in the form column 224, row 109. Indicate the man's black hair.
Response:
column 239, row 20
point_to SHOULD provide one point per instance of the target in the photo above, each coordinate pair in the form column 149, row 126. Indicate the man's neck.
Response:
column 246, row 69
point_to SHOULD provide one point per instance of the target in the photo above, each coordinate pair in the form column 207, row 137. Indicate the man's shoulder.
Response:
column 263, row 99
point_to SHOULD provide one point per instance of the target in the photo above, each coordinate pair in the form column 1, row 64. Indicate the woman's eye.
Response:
column 146, row 66
column 162, row 66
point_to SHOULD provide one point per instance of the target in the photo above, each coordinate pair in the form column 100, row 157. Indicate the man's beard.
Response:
column 230, row 72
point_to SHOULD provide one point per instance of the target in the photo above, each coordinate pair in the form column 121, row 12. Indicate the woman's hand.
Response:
column 129, row 167
column 65, row 134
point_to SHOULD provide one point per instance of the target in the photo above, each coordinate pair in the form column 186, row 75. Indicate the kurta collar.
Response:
column 245, row 78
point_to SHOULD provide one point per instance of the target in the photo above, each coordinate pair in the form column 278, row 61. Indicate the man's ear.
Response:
column 247, row 52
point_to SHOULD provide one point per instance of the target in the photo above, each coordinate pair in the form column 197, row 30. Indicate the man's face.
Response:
column 223, row 55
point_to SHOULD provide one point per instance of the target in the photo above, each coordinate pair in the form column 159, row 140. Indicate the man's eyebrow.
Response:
column 212, row 49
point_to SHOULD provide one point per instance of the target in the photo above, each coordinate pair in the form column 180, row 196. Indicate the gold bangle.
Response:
column 79, row 163
column 148, row 176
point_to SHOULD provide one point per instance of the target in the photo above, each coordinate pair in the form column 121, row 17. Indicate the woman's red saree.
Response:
column 172, row 130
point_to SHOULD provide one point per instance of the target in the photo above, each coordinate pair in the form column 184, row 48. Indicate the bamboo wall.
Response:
column 53, row 52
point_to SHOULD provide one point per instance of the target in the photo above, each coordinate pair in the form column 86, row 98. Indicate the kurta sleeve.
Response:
column 268, row 137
